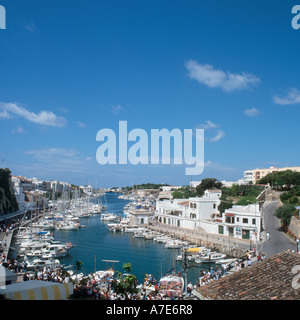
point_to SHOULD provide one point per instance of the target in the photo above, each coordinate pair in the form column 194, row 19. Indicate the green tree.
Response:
column 184, row 193
column 125, row 283
column 285, row 213
column 282, row 179
column 225, row 205
column 208, row 183
column 127, row 267
column 78, row 266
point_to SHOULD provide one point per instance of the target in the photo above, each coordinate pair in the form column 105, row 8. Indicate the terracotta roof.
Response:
column 274, row 278
column 183, row 203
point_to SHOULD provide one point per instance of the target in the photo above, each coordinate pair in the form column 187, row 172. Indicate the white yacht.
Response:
column 210, row 257
column 43, row 262
column 109, row 217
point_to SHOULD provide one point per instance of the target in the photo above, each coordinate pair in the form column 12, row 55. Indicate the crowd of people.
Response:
column 105, row 289
column 207, row 276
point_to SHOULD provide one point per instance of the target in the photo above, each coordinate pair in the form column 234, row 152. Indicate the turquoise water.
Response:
column 96, row 241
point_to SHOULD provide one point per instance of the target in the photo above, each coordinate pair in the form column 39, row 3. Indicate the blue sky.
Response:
column 71, row 68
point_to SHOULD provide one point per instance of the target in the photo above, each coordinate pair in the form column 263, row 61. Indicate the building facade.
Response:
column 242, row 222
column 189, row 213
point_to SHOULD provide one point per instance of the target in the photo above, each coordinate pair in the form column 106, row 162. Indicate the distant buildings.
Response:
column 31, row 191
column 256, row 174
column 250, row 176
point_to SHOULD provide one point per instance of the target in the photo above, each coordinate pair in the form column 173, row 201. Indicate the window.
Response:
column 142, row 220
column 191, row 205
column 221, row 230
column 214, row 206
column 229, row 219
column 253, row 221
column 178, row 223
column 195, row 205
column 245, row 220
column 237, row 219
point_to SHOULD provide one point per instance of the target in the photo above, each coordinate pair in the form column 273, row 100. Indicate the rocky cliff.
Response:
column 8, row 202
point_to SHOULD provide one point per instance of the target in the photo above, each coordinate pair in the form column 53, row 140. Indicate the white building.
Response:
column 18, row 189
column 169, row 188
column 189, row 213
column 139, row 217
column 248, row 176
column 56, row 186
column 46, row 186
column 243, row 222
column 37, row 184
column 87, row 189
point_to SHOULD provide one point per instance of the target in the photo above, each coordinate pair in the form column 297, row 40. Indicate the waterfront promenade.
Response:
column 5, row 238
column 231, row 246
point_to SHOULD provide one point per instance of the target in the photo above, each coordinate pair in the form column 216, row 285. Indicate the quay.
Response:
column 5, row 238
column 232, row 247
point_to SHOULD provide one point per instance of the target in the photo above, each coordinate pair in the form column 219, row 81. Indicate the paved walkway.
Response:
column 279, row 241
column 5, row 238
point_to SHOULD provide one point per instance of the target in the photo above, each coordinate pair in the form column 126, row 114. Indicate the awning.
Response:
column 7, row 276
column 229, row 214
column 37, row 290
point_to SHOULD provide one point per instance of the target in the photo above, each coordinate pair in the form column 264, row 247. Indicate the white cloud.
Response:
column 292, row 97
column 213, row 78
column 210, row 126
column 116, row 108
column 220, row 134
column 59, row 159
column 18, row 130
column 80, row 124
column 51, row 161
column 48, row 118
column 30, row 27
column 5, row 115
column 253, row 112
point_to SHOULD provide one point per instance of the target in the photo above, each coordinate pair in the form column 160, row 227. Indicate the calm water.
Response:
column 146, row 256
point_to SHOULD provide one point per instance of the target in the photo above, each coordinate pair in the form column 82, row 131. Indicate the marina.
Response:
column 148, row 251
column 94, row 246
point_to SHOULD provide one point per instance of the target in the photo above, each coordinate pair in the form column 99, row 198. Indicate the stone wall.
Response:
column 230, row 246
column 294, row 228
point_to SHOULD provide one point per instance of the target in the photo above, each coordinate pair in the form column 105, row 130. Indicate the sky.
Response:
column 71, row 68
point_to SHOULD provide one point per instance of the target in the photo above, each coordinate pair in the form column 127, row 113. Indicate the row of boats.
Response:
column 195, row 254
column 39, row 249
column 205, row 255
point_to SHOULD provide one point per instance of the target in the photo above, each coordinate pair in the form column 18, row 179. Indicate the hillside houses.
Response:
column 201, row 213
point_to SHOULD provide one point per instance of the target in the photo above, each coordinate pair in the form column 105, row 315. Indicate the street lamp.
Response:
column 297, row 245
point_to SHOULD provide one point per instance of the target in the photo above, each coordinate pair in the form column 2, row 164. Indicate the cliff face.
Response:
column 8, row 202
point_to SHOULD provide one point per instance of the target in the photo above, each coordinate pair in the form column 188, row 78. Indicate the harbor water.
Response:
column 95, row 243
